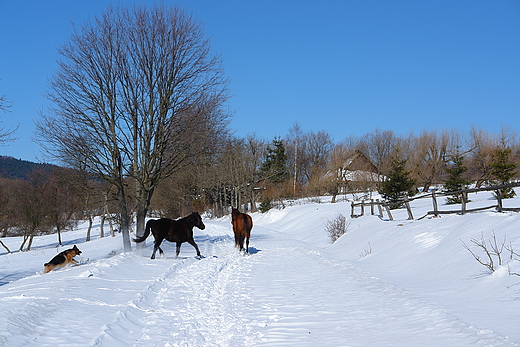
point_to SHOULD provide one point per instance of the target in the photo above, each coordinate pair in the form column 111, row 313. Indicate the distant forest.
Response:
column 17, row 168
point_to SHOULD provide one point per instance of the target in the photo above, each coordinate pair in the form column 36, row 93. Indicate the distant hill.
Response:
column 17, row 168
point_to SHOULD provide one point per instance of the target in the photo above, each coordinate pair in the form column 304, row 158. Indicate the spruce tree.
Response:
column 398, row 184
column 455, row 180
column 274, row 167
column 504, row 169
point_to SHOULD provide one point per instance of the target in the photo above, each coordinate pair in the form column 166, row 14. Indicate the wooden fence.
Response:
column 382, row 205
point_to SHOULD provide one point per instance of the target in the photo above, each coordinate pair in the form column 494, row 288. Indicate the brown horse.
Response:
column 178, row 231
column 242, row 225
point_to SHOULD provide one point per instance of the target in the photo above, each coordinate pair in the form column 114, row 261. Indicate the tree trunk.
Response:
column 90, row 222
column 124, row 220
column 144, row 198
column 6, row 248
column 59, row 236
column 30, row 243
column 112, row 233
column 101, row 226
column 25, row 238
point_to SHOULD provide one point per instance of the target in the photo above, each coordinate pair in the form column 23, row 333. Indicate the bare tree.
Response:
column 137, row 94
column 379, row 146
column 319, row 151
column 32, row 206
column 296, row 149
column 6, row 135
column 428, row 157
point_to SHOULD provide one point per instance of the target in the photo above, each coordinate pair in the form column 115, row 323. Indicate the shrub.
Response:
column 266, row 205
column 336, row 227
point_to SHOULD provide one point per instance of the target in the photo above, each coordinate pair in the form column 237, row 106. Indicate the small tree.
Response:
column 456, row 181
column 504, row 169
column 274, row 167
column 398, row 184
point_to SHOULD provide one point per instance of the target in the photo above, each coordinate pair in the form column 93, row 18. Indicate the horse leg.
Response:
column 192, row 242
column 156, row 246
column 241, row 243
column 178, row 249
column 247, row 244
column 237, row 241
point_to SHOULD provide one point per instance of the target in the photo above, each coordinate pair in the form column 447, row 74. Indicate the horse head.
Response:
column 198, row 221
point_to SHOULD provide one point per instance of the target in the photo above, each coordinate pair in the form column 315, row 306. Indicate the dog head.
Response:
column 76, row 250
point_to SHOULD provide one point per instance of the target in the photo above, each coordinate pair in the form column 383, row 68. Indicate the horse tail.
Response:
column 146, row 232
column 248, row 222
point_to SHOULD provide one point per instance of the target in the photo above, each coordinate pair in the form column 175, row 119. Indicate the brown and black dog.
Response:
column 62, row 259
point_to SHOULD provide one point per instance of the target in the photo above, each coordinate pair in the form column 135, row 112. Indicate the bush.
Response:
column 493, row 254
column 336, row 227
column 266, row 205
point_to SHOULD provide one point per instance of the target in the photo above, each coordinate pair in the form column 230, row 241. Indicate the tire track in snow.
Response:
column 196, row 303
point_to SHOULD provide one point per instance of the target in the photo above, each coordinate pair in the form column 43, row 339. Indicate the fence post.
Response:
column 388, row 211
column 380, row 208
column 464, row 201
column 435, row 206
column 363, row 208
column 408, row 208
column 372, row 206
column 352, row 215
column 499, row 199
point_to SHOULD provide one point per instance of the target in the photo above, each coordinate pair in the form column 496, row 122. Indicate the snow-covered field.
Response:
column 384, row 283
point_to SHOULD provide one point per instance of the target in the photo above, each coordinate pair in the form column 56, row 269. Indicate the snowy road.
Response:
column 287, row 292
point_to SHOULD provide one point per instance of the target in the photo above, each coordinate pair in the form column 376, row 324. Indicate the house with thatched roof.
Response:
column 357, row 173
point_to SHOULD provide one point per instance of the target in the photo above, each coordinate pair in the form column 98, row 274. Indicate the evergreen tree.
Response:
column 455, row 180
column 274, row 167
column 504, row 169
column 398, row 184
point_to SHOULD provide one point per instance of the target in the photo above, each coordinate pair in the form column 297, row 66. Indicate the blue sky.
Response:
column 345, row 67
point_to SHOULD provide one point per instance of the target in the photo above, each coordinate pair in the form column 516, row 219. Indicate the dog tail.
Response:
column 146, row 232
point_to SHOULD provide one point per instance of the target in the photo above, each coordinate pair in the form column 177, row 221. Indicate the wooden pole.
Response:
column 435, row 206
column 464, row 201
column 388, row 211
column 380, row 208
column 408, row 208
column 499, row 199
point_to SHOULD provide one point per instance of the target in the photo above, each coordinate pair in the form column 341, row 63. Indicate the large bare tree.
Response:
column 137, row 94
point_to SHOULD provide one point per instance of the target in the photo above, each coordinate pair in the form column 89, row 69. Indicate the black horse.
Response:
column 178, row 231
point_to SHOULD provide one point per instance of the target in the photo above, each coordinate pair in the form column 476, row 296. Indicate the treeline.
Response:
column 250, row 172
column 309, row 164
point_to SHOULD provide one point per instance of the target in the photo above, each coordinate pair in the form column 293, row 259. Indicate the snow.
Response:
column 384, row 283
